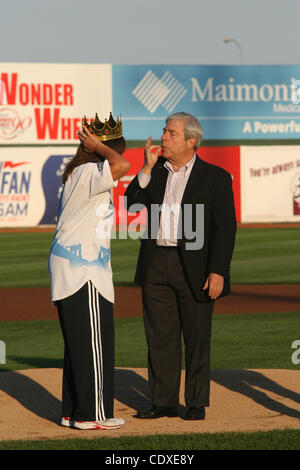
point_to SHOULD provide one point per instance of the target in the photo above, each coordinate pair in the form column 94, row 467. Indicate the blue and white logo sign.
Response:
column 153, row 92
column 231, row 102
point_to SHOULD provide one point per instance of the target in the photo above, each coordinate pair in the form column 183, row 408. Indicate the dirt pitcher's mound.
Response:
column 241, row 400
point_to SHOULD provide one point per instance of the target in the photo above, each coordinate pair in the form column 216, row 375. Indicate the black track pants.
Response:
column 86, row 320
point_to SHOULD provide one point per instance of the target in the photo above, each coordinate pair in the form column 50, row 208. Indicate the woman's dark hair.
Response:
column 81, row 157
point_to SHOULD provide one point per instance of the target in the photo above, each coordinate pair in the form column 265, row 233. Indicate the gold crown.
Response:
column 107, row 130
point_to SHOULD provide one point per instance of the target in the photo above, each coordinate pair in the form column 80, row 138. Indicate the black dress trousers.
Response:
column 170, row 309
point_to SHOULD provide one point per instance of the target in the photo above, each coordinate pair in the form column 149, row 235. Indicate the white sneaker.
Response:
column 66, row 422
column 111, row 423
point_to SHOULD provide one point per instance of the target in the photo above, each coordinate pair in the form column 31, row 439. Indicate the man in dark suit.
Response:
column 183, row 264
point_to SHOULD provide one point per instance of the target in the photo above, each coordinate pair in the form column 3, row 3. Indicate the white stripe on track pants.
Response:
column 86, row 320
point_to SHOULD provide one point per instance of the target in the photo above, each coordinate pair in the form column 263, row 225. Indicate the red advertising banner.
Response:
column 228, row 158
column 122, row 218
column 225, row 157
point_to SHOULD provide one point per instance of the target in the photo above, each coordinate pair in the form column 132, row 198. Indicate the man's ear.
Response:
column 191, row 142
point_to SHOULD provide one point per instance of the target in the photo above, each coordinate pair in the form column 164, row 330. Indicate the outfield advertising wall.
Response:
column 270, row 182
column 41, row 107
column 45, row 103
column 231, row 102
column 30, row 182
column 266, row 182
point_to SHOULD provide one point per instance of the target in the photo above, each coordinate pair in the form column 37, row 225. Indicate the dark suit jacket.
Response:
column 211, row 186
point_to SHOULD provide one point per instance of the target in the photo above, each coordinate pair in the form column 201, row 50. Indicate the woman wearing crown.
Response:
column 81, row 275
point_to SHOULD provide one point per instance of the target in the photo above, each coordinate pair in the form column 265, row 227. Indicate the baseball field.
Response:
column 255, row 382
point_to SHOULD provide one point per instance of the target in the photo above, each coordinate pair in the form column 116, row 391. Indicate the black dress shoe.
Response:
column 195, row 413
column 157, row 412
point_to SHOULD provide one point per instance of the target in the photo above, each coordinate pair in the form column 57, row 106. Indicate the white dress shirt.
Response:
column 170, row 210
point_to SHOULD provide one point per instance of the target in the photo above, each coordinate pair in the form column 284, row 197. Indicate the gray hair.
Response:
column 192, row 127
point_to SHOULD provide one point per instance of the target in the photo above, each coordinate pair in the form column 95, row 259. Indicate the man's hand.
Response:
column 151, row 153
column 88, row 140
column 215, row 284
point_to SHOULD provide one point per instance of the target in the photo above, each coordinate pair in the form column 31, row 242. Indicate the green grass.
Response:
column 266, row 256
column 24, row 259
column 124, row 254
column 261, row 256
column 32, row 344
column 272, row 440
column 254, row 341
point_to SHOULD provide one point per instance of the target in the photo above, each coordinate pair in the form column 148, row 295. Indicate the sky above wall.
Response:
column 265, row 32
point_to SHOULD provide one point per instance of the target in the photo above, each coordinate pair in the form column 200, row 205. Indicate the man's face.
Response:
column 173, row 143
